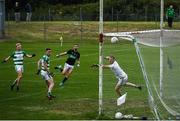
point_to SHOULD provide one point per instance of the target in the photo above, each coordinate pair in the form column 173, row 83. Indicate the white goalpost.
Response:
column 161, row 51
column 157, row 51
column 100, row 57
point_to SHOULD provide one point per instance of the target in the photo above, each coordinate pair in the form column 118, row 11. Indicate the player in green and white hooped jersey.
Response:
column 18, row 57
column 45, row 73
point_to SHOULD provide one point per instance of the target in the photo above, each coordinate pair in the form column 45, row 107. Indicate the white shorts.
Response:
column 45, row 75
column 68, row 67
column 122, row 80
column 19, row 68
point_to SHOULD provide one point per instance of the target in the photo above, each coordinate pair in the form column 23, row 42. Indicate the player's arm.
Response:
column 106, row 58
column 98, row 65
column 6, row 59
column 39, row 63
column 78, row 60
column 46, row 67
column 61, row 54
column 30, row 56
column 106, row 66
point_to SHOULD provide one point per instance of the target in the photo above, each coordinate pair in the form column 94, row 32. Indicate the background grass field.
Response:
column 79, row 98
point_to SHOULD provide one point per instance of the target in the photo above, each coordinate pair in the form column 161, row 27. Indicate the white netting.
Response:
column 148, row 50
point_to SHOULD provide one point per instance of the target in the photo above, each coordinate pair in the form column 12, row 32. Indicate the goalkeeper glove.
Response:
column 38, row 72
column 33, row 55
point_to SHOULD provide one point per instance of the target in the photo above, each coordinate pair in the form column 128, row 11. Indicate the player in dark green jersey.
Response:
column 73, row 56
column 18, row 57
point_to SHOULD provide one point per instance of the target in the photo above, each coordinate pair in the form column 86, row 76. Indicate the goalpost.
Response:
column 100, row 57
column 160, row 75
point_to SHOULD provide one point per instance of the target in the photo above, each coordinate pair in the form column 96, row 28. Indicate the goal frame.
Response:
column 101, row 34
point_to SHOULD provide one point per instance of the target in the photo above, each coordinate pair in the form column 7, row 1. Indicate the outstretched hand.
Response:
column 94, row 65
column 38, row 71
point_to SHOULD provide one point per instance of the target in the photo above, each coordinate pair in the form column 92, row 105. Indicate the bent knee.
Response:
column 20, row 76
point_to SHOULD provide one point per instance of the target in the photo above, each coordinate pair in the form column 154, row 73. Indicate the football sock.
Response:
column 64, row 80
column 14, row 83
column 17, row 88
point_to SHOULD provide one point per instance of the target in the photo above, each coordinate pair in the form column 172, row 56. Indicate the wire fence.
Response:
column 73, row 27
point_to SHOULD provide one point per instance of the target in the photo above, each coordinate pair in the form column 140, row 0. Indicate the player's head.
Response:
column 48, row 51
column 16, row 3
column 111, row 59
column 18, row 46
column 75, row 47
column 171, row 6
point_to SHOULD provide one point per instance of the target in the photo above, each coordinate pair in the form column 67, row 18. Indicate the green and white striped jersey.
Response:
column 46, row 59
column 18, row 57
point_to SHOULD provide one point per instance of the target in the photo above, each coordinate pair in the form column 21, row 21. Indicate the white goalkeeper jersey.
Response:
column 117, row 70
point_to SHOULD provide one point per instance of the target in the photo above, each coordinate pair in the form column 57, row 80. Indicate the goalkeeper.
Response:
column 45, row 73
column 18, row 57
column 121, row 76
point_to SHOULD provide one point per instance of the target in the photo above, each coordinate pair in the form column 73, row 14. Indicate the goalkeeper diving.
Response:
column 121, row 76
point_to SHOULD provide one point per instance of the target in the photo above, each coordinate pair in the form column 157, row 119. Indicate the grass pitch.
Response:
column 79, row 98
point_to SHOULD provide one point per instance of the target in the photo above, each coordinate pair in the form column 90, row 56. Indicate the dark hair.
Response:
column 111, row 56
column 48, row 49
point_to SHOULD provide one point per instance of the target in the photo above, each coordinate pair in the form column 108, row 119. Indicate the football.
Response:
column 114, row 39
column 118, row 115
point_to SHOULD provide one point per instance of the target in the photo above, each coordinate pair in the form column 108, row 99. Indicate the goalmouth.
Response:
column 167, row 44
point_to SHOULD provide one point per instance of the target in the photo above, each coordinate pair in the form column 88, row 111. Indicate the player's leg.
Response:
column 59, row 67
column 50, row 87
column 66, row 72
column 19, row 79
column 133, row 85
column 171, row 21
column 19, row 70
column 49, row 83
column 118, row 87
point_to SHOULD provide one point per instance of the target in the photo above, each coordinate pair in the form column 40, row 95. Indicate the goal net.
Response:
column 163, row 97
column 157, row 52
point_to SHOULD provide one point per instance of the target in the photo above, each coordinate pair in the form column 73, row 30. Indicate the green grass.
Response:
column 79, row 98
